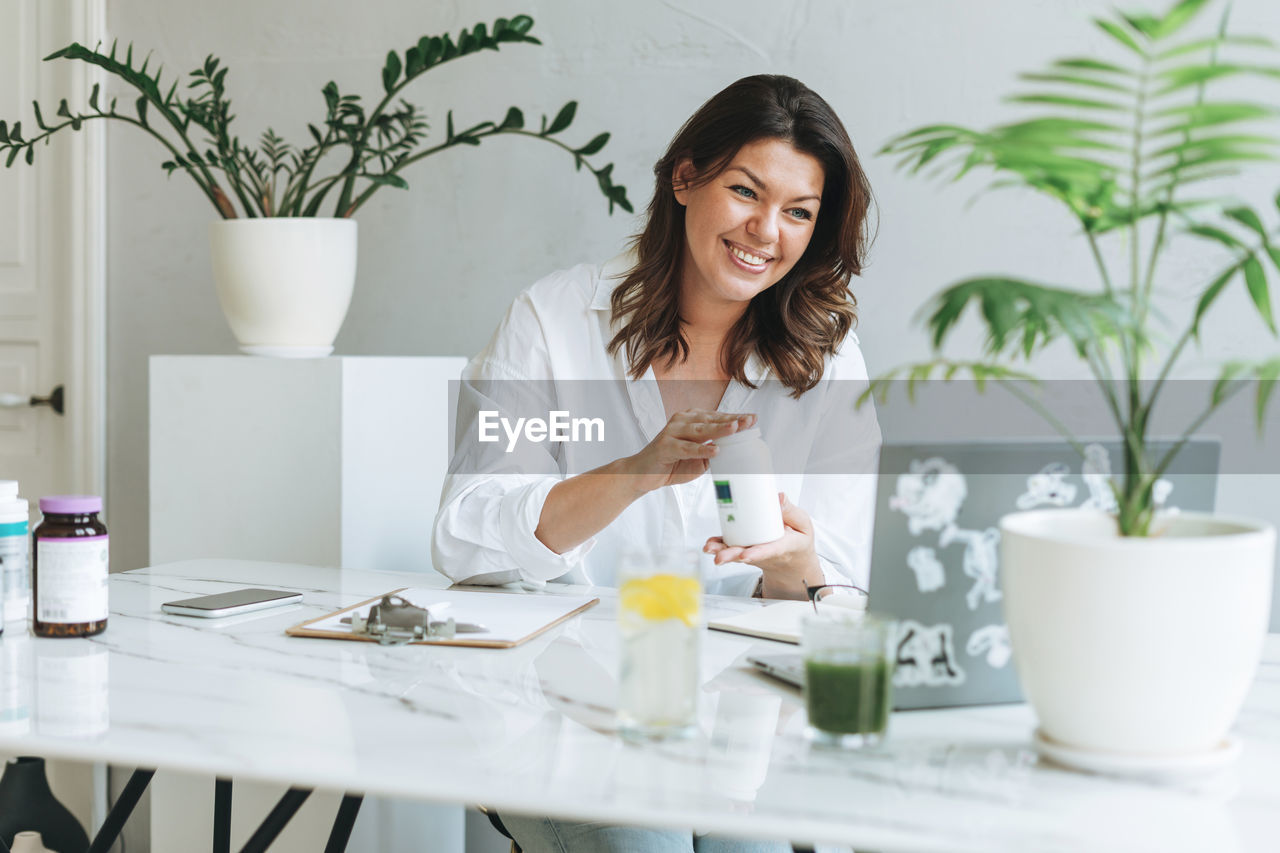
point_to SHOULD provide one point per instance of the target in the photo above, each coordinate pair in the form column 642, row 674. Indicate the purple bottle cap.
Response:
column 71, row 504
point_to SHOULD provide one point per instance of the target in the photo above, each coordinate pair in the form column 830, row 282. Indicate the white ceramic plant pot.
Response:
column 284, row 283
column 1141, row 646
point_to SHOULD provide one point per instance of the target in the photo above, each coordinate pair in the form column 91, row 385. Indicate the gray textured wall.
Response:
column 439, row 263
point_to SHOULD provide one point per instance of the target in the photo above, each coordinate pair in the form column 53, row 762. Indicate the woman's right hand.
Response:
column 680, row 452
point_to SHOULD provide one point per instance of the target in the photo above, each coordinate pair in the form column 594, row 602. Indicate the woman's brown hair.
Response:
column 800, row 320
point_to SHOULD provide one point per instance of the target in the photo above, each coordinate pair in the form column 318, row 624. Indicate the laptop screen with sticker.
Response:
column 936, row 555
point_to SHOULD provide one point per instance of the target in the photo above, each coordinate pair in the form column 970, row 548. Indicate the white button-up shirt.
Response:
column 550, row 353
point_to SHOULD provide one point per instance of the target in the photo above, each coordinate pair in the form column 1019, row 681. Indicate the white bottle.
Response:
column 746, row 491
column 15, row 585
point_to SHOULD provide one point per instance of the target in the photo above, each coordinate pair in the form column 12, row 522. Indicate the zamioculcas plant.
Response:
column 353, row 152
column 1125, row 145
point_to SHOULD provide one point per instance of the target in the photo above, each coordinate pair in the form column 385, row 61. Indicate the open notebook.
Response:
column 777, row 621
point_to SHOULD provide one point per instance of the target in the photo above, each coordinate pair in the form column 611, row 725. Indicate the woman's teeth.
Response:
column 754, row 260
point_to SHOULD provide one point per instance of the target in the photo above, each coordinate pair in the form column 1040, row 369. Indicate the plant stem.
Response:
column 1181, row 343
column 1135, row 431
column 1213, row 406
column 206, row 182
column 352, row 169
column 1107, row 287
column 457, row 140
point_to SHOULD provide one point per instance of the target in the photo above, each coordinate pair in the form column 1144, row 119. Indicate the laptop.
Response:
column 935, row 553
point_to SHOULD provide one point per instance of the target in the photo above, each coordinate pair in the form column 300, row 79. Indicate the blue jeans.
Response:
column 547, row 835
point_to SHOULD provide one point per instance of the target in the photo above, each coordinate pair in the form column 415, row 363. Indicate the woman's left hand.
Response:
column 787, row 562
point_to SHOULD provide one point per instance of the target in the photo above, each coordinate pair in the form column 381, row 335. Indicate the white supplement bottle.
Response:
column 15, row 584
column 746, row 491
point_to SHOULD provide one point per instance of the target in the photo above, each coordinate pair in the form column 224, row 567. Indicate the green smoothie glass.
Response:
column 848, row 678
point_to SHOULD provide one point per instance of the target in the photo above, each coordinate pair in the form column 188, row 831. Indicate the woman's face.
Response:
column 746, row 228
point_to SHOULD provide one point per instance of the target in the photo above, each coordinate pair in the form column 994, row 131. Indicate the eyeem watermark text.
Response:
column 557, row 427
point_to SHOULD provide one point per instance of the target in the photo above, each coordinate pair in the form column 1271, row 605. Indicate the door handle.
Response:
column 21, row 401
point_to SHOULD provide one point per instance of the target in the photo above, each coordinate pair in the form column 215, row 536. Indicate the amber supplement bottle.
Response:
column 69, row 568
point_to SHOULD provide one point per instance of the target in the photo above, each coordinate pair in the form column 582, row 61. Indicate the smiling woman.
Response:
column 747, row 228
column 731, row 311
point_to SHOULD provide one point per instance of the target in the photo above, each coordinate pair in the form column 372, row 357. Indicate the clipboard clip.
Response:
column 395, row 621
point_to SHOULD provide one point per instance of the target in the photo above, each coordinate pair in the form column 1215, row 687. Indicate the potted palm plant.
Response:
column 284, row 250
column 1135, row 633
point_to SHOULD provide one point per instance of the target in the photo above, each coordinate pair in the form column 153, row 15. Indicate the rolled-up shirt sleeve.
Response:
column 493, row 495
column 485, row 531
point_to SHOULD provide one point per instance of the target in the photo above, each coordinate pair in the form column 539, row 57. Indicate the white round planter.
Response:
column 284, row 283
column 1138, row 646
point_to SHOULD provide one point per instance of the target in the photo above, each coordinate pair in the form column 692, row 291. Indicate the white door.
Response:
column 51, row 270
column 51, row 289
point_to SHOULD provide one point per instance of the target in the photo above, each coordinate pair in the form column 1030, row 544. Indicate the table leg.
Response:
column 276, row 820
column 222, row 816
column 343, row 823
column 120, row 812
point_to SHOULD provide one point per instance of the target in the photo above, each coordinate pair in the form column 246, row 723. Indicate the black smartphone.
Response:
column 229, row 603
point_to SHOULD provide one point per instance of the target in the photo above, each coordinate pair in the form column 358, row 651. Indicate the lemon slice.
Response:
column 660, row 597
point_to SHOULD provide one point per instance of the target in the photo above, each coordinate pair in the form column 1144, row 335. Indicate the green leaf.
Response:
column 31, row 154
column 4, row 137
column 563, row 118
column 618, row 196
column 1213, row 43
column 331, row 98
column 391, row 72
column 513, row 121
column 1210, row 294
column 93, row 96
column 35, row 105
column 1204, row 115
column 1231, row 372
column 1086, row 64
column 1211, row 233
column 1077, row 80
column 389, row 180
column 1118, row 33
column 13, row 155
column 413, row 64
column 1176, row 18
column 1222, row 142
column 1193, row 75
column 1206, row 159
column 1064, row 101
column 1248, row 218
column 1255, row 278
column 1274, row 253
column 593, row 146
column 1142, row 23
column 1026, row 315
column 429, row 47
column 141, row 104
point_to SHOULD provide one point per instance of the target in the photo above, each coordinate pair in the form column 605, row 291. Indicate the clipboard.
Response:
column 510, row 618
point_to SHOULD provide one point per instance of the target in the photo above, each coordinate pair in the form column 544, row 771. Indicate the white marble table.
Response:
column 531, row 729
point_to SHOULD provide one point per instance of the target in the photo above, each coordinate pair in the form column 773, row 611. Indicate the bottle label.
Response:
column 15, row 582
column 724, row 494
column 71, row 586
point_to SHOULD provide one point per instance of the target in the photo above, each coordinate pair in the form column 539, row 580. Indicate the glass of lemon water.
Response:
column 660, row 620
